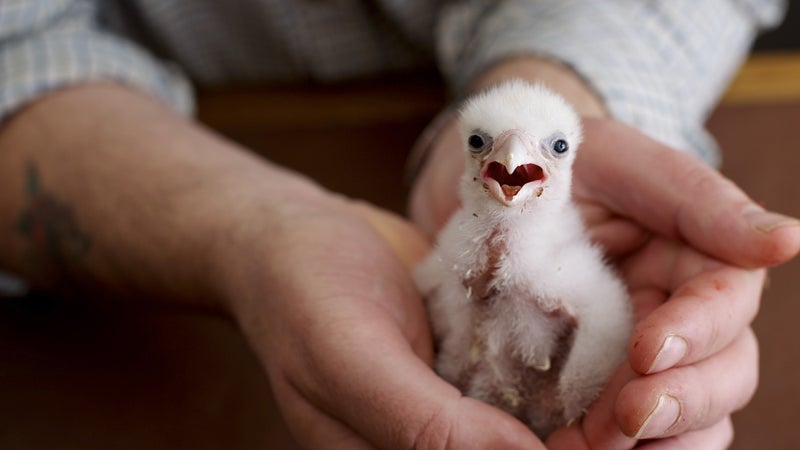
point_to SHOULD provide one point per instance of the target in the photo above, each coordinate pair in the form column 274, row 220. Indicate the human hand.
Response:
column 319, row 286
column 659, row 213
column 327, row 303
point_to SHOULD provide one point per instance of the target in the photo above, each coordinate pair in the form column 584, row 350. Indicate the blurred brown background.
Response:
column 83, row 378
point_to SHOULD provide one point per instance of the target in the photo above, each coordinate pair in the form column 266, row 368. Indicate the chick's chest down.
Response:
column 526, row 314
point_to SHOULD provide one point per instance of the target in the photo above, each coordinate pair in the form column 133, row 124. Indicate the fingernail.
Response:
column 672, row 351
column 661, row 418
column 765, row 221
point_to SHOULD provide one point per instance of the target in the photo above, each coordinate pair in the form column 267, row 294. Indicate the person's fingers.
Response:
column 677, row 195
column 693, row 397
column 709, row 305
column 716, row 437
column 599, row 427
column 627, row 409
column 387, row 394
column 700, row 318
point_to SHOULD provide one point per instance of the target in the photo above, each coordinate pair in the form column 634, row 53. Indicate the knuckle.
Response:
column 710, row 193
column 707, row 406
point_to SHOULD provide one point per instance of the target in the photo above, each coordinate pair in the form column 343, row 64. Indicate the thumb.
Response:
column 677, row 195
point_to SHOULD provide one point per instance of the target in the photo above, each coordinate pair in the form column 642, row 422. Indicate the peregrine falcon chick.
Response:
column 526, row 314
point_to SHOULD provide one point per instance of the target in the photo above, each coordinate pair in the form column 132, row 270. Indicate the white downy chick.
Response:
column 526, row 314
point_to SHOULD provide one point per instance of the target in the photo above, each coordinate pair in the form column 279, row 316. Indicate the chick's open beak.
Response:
column 511, row 168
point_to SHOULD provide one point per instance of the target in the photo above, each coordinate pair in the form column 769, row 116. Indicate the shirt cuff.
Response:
column 53, row 59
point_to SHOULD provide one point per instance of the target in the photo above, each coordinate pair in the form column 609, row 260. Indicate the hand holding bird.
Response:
column 658, row 213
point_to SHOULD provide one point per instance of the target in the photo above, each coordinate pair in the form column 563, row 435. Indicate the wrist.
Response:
column 260, row 213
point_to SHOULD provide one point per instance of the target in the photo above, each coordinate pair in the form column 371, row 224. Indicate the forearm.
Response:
column 104, row 187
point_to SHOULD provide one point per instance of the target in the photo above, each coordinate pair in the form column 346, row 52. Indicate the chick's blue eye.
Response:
column 560, row 146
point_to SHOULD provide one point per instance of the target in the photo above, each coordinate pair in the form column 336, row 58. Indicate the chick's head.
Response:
column 520, row 141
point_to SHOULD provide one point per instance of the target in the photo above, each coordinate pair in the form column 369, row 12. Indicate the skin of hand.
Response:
column 345, row 341
column 692, row 249
column 320, row 285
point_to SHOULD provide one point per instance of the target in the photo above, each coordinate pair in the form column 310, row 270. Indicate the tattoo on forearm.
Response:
column 49, row 224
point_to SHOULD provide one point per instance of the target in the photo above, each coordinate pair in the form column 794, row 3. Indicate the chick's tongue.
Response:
column 510, row 191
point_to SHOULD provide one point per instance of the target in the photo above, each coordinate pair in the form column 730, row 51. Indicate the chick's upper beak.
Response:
column 511, row 151
column 513, row 167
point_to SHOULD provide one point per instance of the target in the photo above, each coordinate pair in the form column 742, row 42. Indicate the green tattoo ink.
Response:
column 49, row 225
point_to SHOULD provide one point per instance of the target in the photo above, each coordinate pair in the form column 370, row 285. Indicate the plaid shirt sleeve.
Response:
column 659, row 65
column 48, row 44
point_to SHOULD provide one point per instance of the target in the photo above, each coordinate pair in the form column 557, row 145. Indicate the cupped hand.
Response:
column 691, row 247
column 332, row 312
